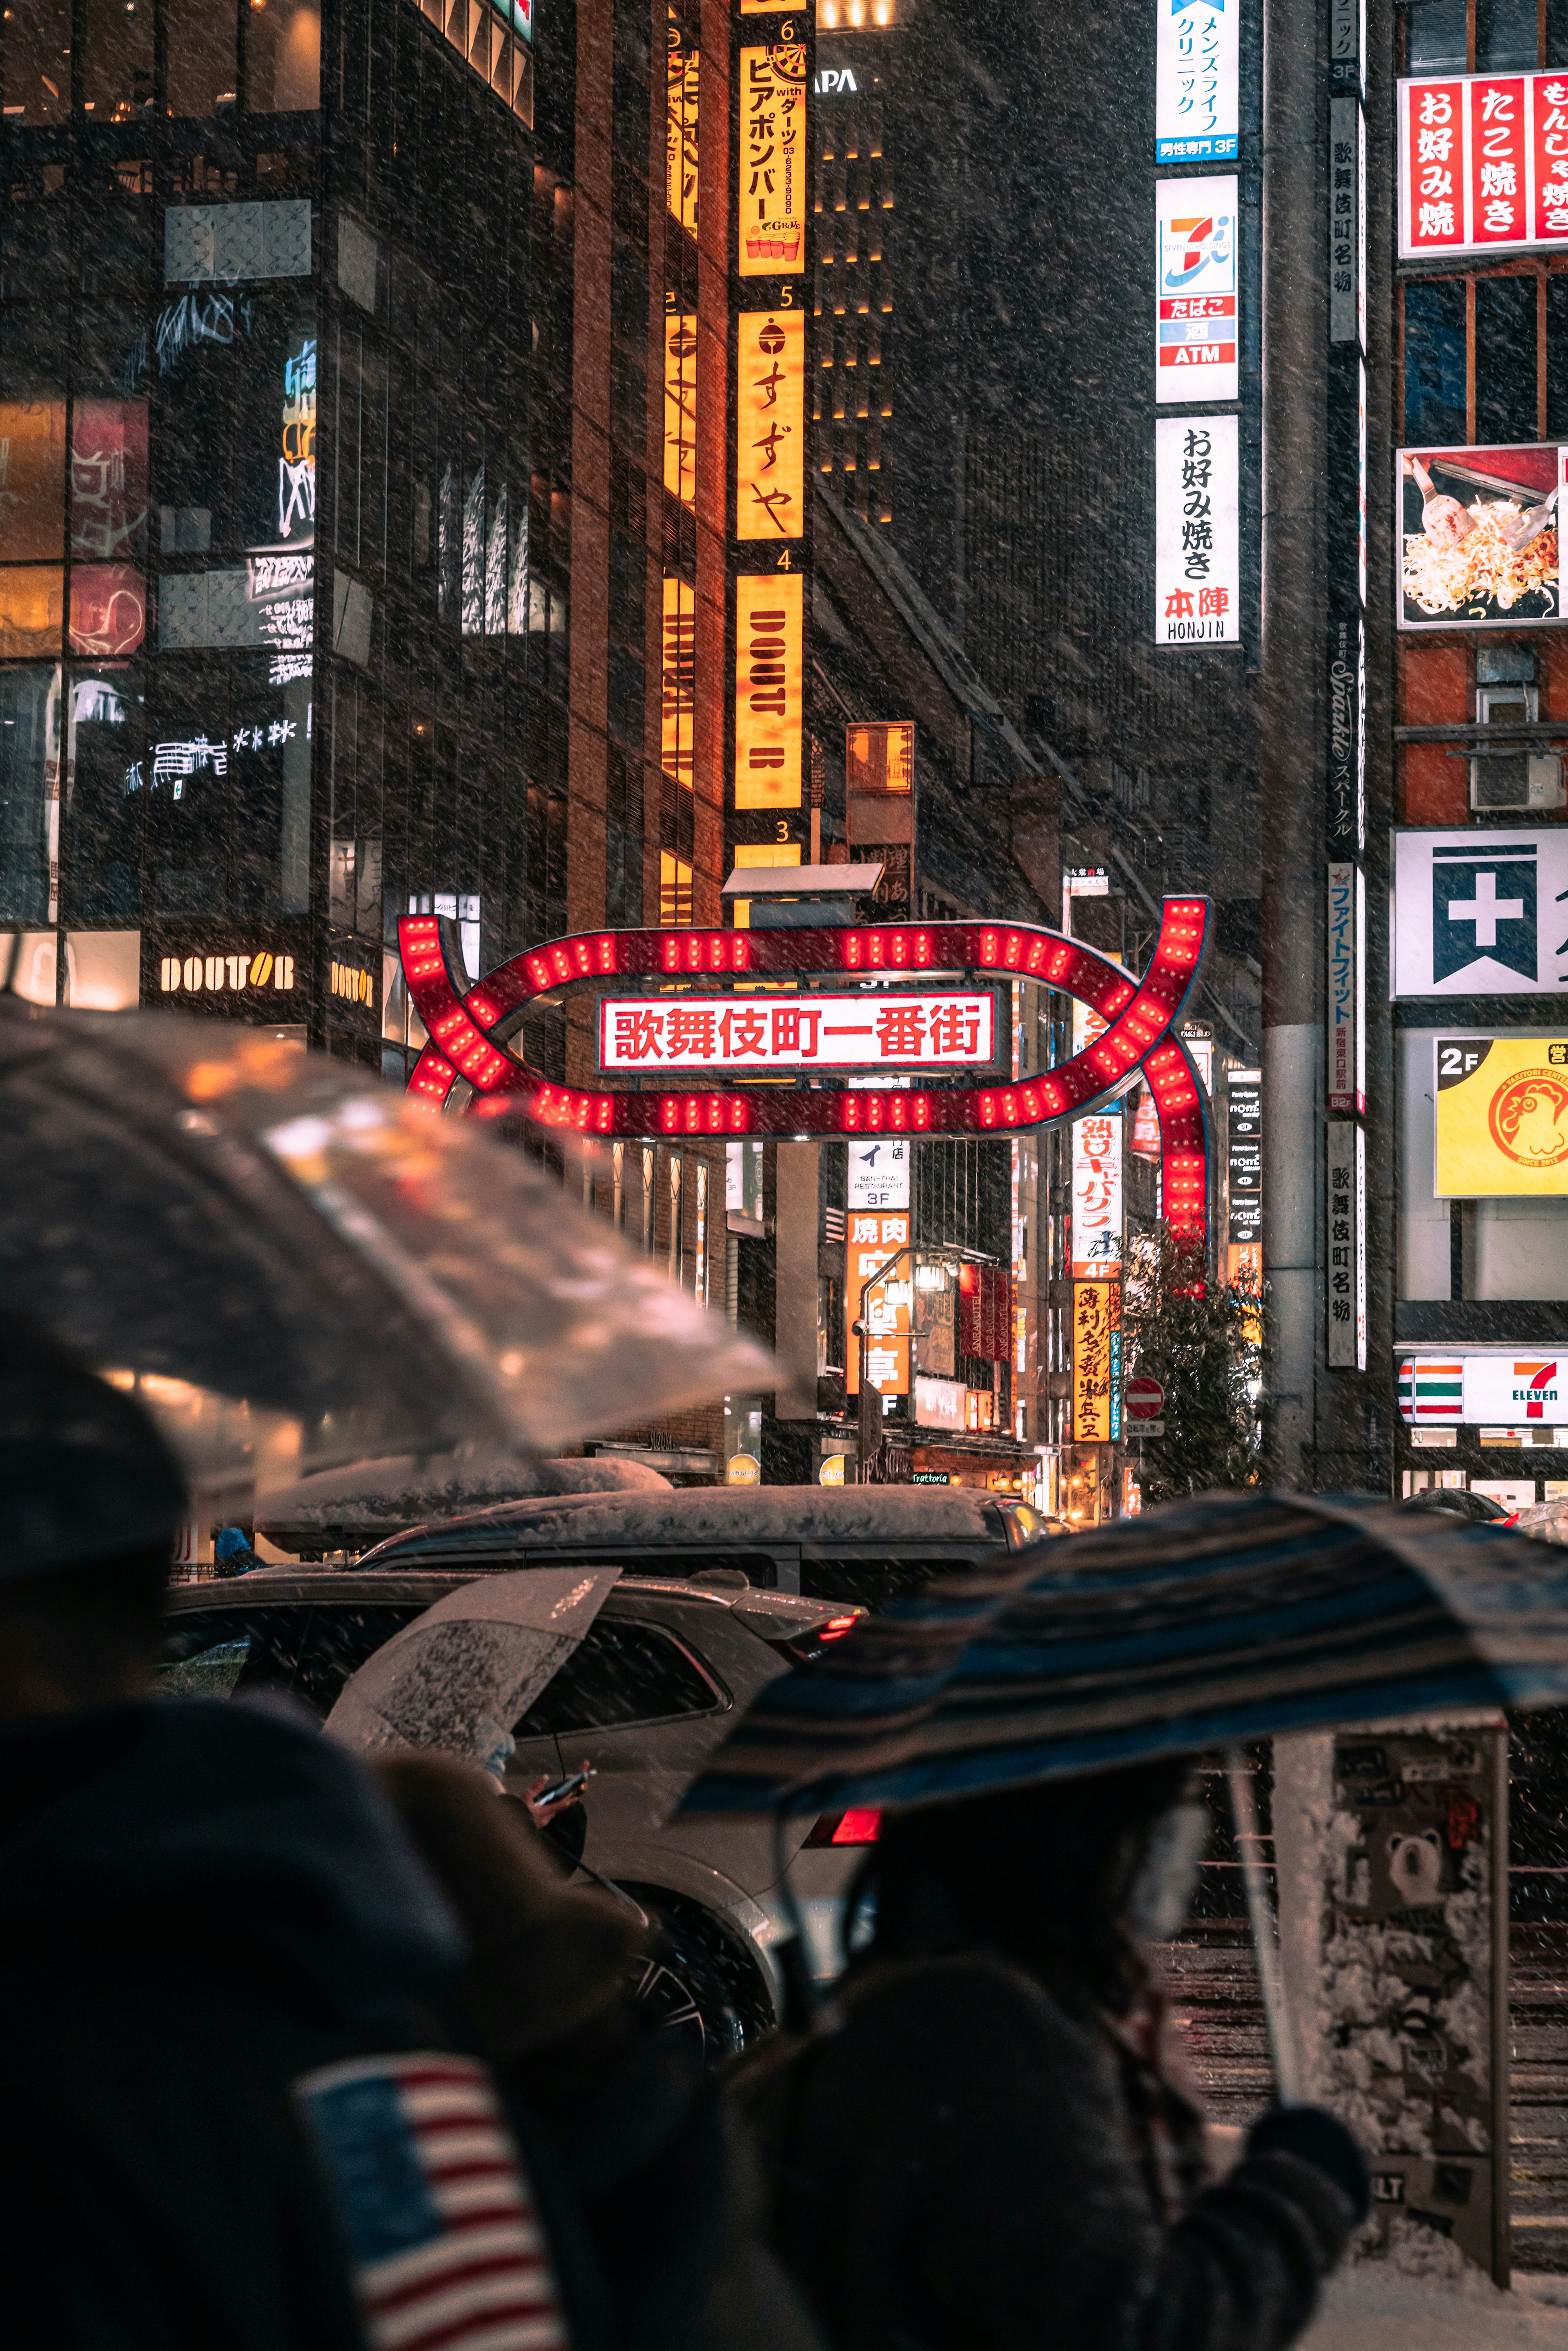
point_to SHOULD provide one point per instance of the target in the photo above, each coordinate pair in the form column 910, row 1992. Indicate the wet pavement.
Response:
column 1214, row 1984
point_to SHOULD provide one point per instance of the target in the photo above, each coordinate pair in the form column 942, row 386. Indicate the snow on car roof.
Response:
column 383, row 1497
column 726, row 1517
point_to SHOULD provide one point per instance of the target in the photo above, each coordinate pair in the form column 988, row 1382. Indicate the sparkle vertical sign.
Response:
column 1196, row 113
column 1197, row 571
column 1195, row 291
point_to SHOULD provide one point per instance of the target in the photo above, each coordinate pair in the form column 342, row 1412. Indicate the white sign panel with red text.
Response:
column 1097, row 1199
column 1197, row 557
column 1483, row 163
column 816, row 1032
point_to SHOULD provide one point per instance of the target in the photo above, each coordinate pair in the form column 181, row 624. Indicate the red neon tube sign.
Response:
column 468, row 1027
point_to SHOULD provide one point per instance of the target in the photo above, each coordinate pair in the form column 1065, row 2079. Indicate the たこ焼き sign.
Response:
column 1483, row 163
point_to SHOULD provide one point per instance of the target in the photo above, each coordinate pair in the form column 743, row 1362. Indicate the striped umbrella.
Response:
column 1214, row 1620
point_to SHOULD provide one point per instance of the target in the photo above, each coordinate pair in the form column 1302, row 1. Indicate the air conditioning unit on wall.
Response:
column 1516, row 780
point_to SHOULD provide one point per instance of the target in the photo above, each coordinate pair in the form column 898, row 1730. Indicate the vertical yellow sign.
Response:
column 678, row 714
column 770, row 425
column 681, row 405
column 774, row 168
column 769, row 644
column 685, row 71
column 1096, row 1352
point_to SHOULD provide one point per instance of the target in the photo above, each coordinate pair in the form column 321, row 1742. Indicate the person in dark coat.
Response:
column 987, row 2143
column 648, row 2188
column 223, row 1970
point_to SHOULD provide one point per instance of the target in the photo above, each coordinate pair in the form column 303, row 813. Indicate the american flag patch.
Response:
column 448, row 2252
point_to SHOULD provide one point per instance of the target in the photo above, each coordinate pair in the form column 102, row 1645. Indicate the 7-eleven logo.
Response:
column 1539, row 1390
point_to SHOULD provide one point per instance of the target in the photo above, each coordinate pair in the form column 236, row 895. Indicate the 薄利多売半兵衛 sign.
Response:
column 818, row 1032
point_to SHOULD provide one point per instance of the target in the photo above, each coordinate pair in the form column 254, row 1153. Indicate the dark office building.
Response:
column 295, row 497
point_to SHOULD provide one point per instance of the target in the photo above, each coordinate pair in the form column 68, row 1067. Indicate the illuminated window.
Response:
column 495, row 38
column 283, row 57
column 674, row 891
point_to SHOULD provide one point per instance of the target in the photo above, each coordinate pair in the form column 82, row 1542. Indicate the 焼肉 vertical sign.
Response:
column 1197, row 571
column 1483, row 163
column 1195, row 288
column 1196, row 55
column 874, row 1242
column 769, row 621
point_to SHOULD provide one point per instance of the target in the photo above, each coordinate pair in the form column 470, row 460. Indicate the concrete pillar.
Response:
column 795, row 1277
column 1295, row 348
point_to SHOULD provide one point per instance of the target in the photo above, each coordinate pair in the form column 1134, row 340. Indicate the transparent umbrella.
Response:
column 202, row 1201
column 462, row 1674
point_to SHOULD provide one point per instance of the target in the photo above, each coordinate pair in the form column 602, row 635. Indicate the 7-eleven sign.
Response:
column 1510, row 1389
column 1431, row 1390
column 1539, row 1388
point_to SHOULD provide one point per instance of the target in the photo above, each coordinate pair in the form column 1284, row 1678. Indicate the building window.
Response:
column 1486, row 357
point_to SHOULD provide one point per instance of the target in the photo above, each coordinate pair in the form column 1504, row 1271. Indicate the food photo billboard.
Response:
column 1477, row 531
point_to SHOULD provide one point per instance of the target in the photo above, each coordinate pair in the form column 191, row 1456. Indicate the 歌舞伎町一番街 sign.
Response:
column 819, row 1031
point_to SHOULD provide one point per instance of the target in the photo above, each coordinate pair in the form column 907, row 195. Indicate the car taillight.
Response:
column 846, row 1828
column 836, row 1628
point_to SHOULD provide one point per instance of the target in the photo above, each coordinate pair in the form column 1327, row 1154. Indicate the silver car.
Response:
column 662, row 1673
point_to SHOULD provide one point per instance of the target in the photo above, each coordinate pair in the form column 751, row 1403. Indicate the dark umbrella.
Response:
column 1201, row 1624
column 200, row 1200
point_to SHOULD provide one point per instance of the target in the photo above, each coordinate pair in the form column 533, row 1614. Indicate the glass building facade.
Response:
column 285, row 532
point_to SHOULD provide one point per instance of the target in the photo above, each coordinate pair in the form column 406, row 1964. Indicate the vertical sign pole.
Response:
column 1501, row 2049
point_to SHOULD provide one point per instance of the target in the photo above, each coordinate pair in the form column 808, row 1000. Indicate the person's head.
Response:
column 1051, row 1876
column 90, row 1500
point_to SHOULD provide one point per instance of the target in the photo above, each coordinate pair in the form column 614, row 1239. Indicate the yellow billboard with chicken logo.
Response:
column 1501, row 1106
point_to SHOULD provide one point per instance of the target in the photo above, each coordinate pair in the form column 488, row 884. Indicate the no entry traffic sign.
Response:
column 1145, row 1399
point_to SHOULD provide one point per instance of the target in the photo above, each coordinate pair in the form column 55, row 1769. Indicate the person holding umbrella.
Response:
column 229, row 2089
column 992, row 2141
column 985, row 2143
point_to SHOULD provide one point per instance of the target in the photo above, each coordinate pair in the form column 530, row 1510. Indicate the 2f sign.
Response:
column 1457, row 1062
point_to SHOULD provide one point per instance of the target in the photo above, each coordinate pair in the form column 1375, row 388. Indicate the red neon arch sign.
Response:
column 469, row 1025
